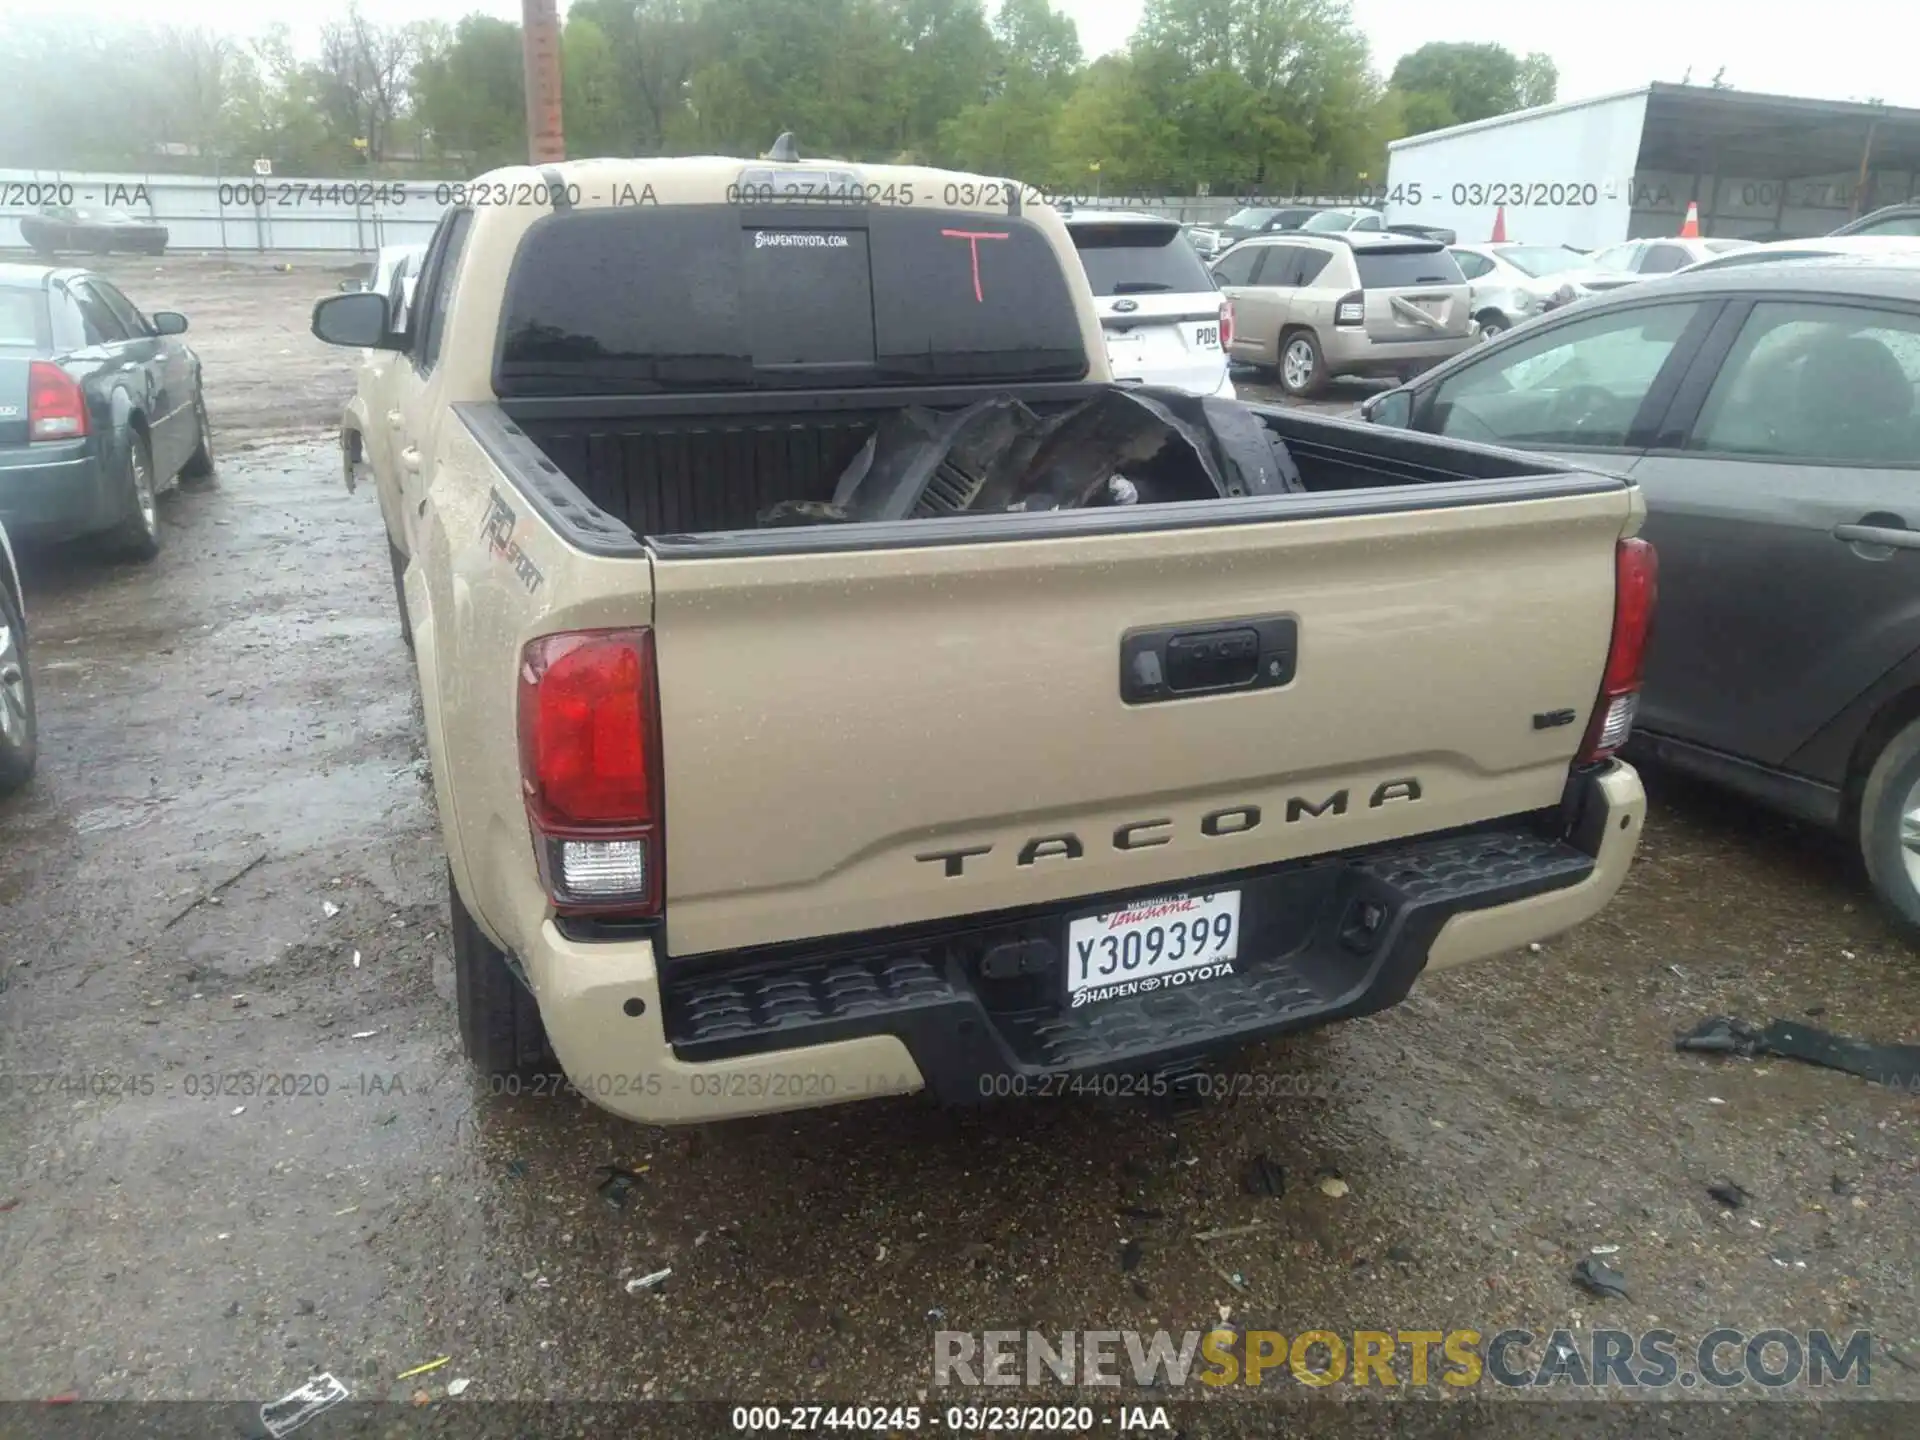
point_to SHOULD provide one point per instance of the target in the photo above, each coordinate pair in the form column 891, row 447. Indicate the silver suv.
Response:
column 1316, row 306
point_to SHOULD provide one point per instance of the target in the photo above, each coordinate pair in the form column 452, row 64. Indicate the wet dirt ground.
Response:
column 239, row 1143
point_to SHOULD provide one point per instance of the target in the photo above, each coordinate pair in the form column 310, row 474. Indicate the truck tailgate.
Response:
column 861, row 738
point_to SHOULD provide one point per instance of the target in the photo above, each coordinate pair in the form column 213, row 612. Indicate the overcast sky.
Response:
column 1842, row 50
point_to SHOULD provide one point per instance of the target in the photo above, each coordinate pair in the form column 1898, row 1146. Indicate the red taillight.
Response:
column 589, row 766
column 1226, row 323
column 56, row 407
column 1636, row 572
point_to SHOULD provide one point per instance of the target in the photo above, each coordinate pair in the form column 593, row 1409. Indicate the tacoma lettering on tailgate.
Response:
column 1143, row 834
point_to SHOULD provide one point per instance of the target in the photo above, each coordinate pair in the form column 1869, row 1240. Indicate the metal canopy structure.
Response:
column 1692, row 129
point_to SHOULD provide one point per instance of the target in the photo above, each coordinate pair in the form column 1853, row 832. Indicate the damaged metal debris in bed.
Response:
column 1122, row 447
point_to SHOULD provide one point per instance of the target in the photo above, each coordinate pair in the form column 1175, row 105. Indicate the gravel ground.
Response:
column 227, row 880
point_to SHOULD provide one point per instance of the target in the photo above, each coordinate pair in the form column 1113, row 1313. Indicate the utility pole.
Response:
column 540, row 40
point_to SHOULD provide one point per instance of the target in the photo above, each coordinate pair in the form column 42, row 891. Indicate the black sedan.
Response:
column 100, row 409
column 67, row 230
column 1770, row 414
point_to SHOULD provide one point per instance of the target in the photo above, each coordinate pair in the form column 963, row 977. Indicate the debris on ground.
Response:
column 1598, row 1278
column 329, row 909
column 1728, row 1194
column 1228, row 1232
column 647, row 1282
column 1897, row 1066
column 294, row 1409
column 1334, row 1186
column 1130, row 1253
column 212, row 897
column 1604, row 1250
column 423, row 1369
column 617, row 1184
column 458, row 1387
column 1263, row 1177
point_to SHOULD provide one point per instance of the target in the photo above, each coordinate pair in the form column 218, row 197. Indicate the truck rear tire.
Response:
column 499, row 1020
column 1889, row 839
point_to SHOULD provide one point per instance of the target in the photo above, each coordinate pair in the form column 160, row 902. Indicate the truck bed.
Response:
column 679, row 469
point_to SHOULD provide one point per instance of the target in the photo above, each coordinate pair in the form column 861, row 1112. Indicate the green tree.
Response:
column 469, row 96
column 272, row 112
column 1010, row 132
column 1036, row 39
column 591, row 93
column 1471, row 81
column 1539, row 82
column 946, row 57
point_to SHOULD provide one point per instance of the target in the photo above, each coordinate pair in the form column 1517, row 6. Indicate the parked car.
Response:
column 1903, row 219
column 1513, row 282
column 1314, row 307
column 19, row 732
column 1892, row 248
column 65, row 229
column 1061, row 784
column 1769, row 414
column 1212, row 240
column 1165, row 321
column 392, row 274
column 1426, row 232
column 1635, row 260
column 1342, row 218
column 101, row 408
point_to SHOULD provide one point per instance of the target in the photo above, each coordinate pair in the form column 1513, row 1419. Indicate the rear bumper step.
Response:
column 1320, row 940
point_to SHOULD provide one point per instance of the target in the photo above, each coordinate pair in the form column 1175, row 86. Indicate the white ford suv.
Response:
column 1165, row 321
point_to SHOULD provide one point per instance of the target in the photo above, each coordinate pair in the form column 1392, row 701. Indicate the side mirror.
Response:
column 1392, row 408
column 169, row 322
column 358, row 320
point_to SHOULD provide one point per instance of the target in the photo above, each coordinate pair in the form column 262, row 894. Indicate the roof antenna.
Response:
column 784, row 148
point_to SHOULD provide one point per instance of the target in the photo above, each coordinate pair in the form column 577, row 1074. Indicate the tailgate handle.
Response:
column 1214, row 658
column 1212, row 661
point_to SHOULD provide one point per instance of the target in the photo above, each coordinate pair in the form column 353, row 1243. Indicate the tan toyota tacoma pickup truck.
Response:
column 836, row 685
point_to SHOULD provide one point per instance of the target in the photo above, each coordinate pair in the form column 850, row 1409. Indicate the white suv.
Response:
column 1165, row 321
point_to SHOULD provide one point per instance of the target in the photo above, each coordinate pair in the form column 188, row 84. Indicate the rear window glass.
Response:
column 1382, row 270
column 1139, row 260
column 699, row 297
column 23, row 318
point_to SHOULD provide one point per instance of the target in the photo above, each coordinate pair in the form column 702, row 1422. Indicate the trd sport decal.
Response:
column 497, row 531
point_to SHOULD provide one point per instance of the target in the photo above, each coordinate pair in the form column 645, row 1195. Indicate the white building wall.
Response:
column 1563, row 173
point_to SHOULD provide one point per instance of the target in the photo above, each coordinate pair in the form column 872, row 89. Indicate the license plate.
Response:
column 1207, row 337
column 1151, row 945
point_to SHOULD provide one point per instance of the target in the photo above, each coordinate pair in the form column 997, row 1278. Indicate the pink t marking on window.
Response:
column 973, row 239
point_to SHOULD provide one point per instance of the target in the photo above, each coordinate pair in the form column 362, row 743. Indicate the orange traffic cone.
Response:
column 1690, row 227
column 1499, row 236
